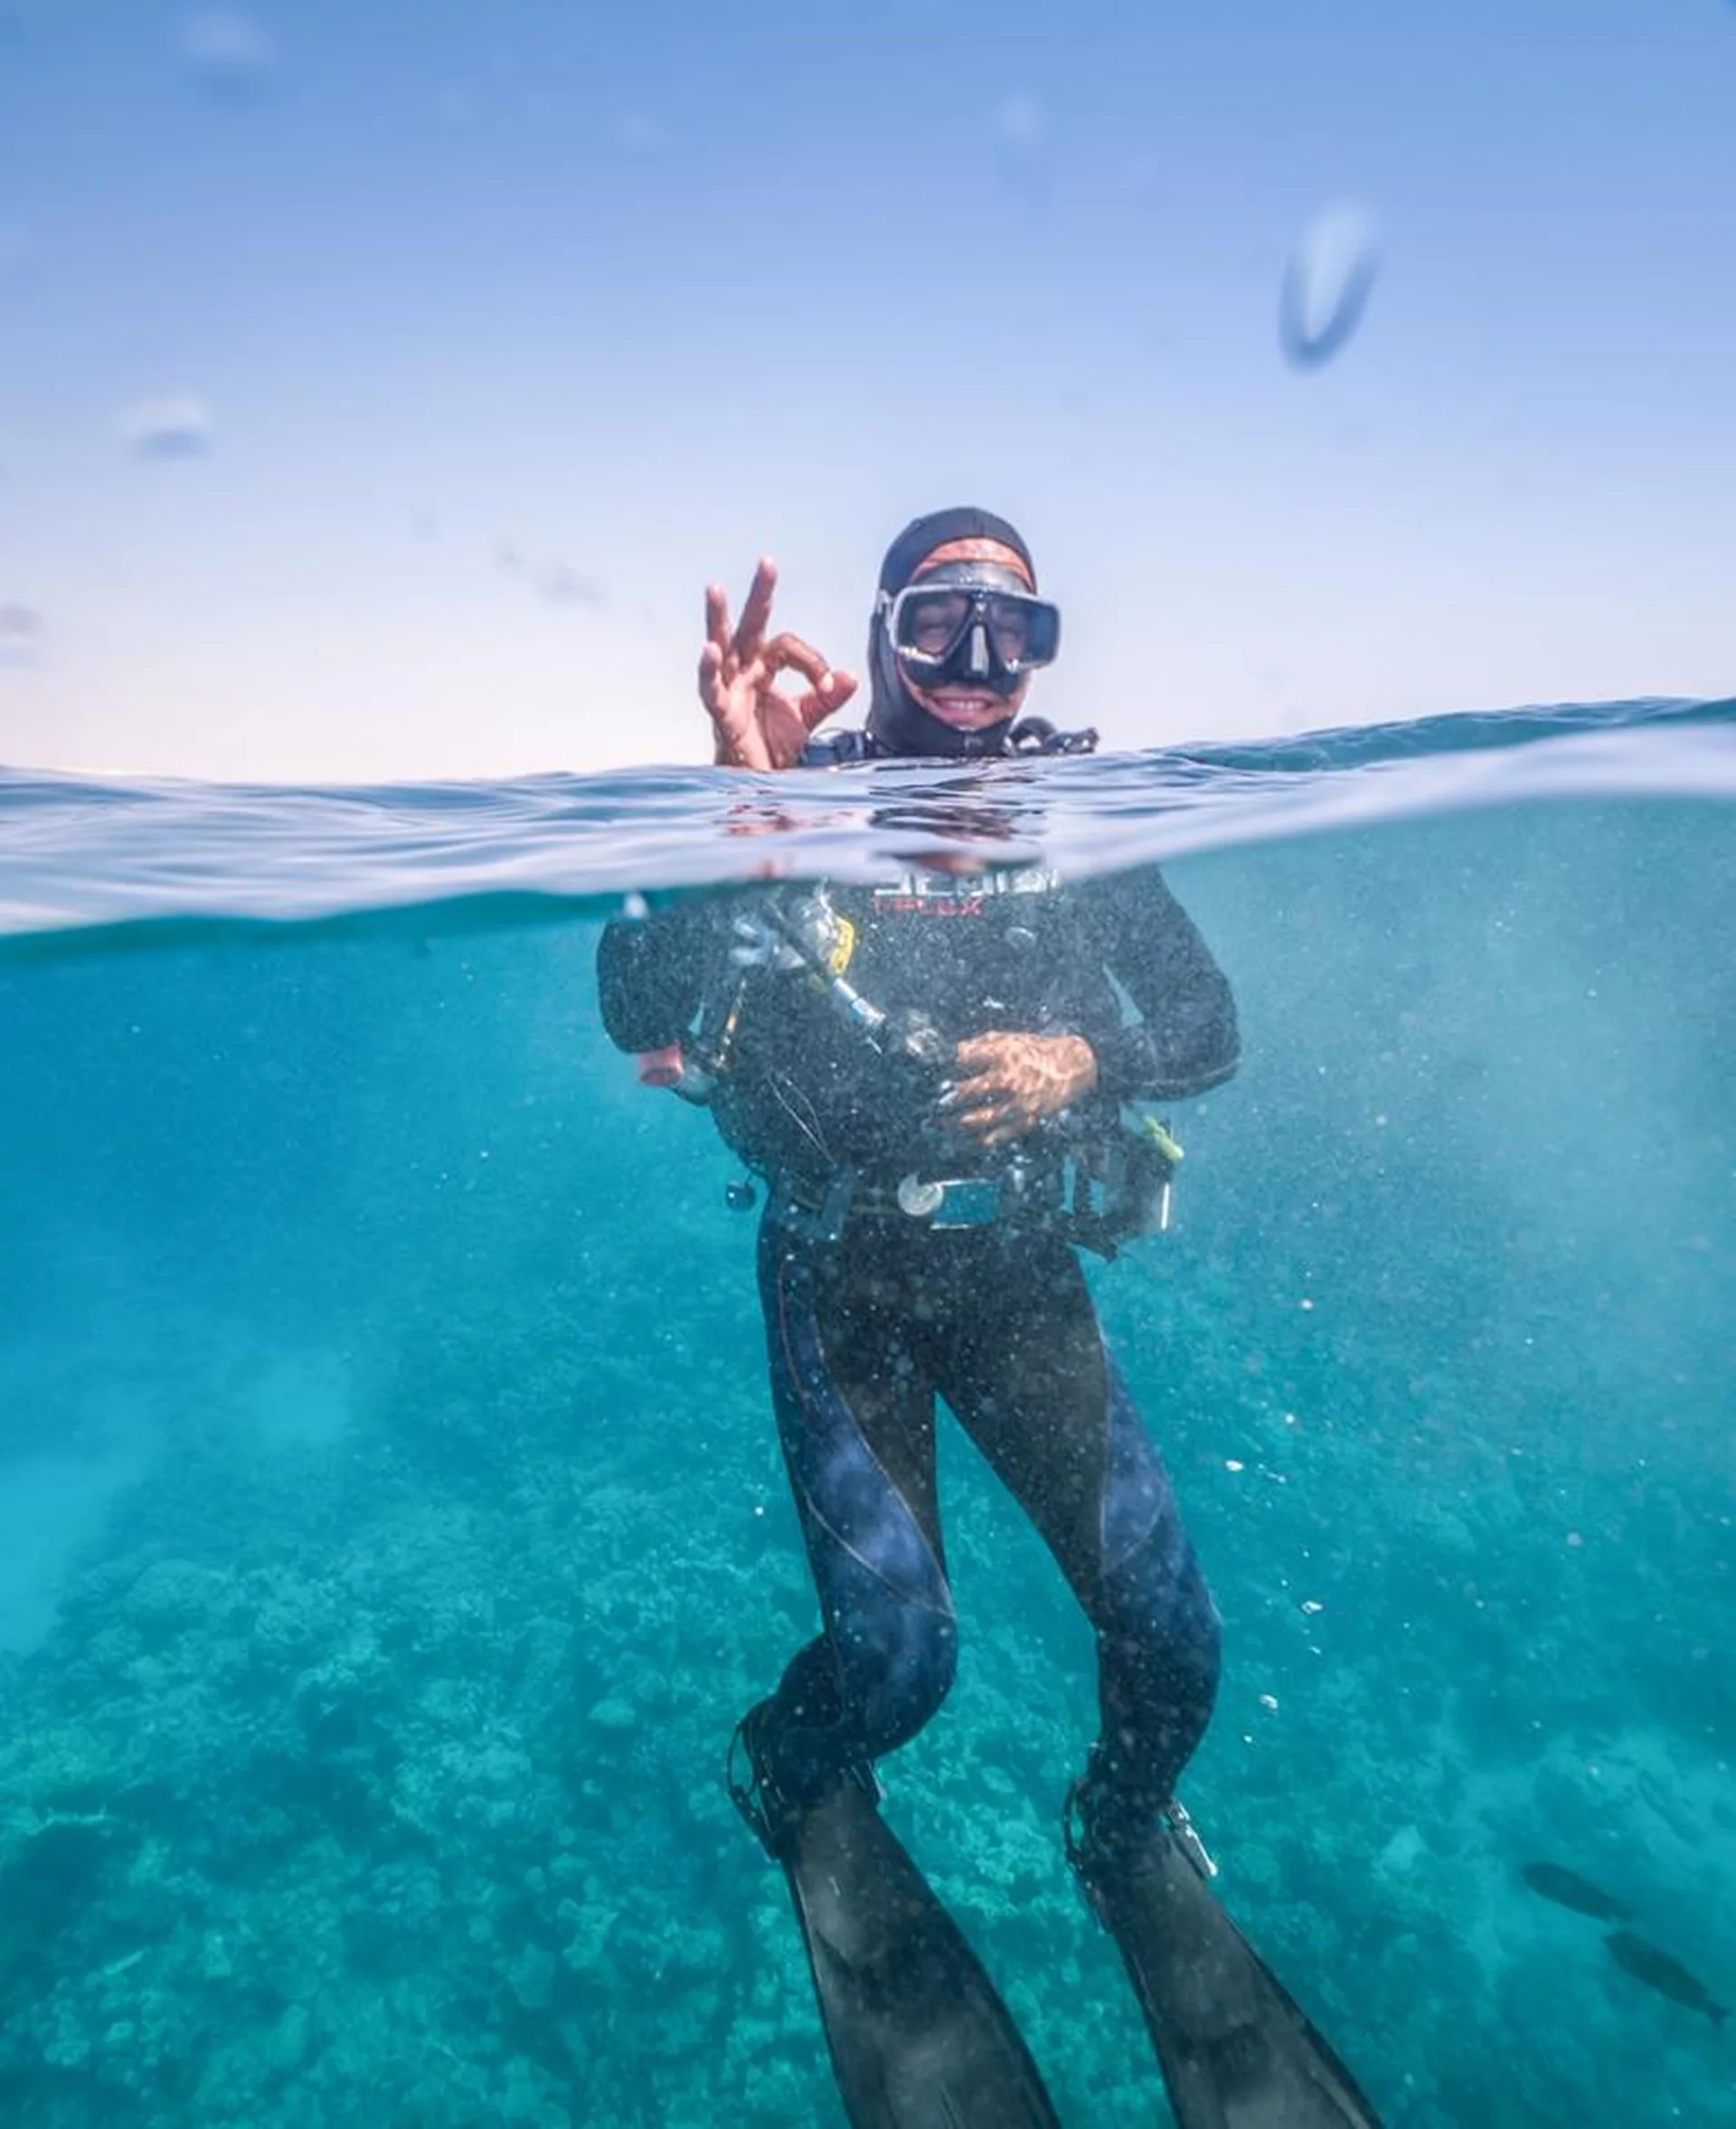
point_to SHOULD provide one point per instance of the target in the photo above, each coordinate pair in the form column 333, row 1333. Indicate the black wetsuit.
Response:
column 869, row 1322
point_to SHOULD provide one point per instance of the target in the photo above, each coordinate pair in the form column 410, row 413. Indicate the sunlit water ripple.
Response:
column 79, row 853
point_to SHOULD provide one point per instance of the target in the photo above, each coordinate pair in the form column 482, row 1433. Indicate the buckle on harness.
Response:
column 818, row 1211
column 817, row 1214
column 950, row 1201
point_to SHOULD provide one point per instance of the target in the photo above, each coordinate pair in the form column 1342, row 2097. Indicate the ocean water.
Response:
column 391, row 1528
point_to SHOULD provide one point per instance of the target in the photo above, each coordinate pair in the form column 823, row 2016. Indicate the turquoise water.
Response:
column 391, row 1522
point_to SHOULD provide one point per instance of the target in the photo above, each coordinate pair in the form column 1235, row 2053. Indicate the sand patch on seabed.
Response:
column 293, row 1400
column 55, row 1509
column 67, row 1474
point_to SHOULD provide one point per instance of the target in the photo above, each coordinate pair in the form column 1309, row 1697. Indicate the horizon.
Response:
column 378, row 397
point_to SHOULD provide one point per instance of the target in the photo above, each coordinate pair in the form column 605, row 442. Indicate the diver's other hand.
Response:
column 754, row 725
column 1007, row 1084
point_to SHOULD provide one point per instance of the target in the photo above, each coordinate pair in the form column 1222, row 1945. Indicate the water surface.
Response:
column 390, row 1523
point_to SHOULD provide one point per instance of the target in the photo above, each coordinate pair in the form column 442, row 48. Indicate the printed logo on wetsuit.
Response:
column 941, row 894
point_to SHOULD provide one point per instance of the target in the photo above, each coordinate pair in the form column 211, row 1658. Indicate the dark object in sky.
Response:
column 1313, row 323
column 1658, row 1971
column 1567, row 1889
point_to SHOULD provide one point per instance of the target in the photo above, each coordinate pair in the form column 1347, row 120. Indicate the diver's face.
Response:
column 964, row 705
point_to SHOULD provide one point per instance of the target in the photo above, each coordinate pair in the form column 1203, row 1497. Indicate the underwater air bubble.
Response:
column 1326, row 285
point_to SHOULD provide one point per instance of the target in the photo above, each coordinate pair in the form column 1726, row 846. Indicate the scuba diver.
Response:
column 940, row 1080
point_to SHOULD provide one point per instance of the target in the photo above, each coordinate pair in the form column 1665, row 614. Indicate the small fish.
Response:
column 1567, row 1889
column 1658, row 1971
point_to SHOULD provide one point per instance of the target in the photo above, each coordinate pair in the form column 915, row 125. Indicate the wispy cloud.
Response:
column 557, row 582
column 1022, row 144
column 230, row 53
column 563, row 585
column 21, row 631
column 19, row 252
column 177, row 426
column 639, row 135
column 1020, row 125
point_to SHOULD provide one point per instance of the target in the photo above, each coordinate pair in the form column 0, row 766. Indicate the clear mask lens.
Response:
column 938, row 626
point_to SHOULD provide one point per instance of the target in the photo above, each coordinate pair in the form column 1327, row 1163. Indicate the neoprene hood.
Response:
column 897, row 722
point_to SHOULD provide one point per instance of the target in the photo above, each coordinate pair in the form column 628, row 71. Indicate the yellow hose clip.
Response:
column 843, row 946
column 1158, row 1133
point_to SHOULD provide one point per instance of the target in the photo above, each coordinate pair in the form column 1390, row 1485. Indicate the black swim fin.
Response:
column 1236, row 2050
column 918, row 2037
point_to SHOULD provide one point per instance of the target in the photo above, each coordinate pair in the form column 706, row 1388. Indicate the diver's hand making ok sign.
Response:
column 754, row 724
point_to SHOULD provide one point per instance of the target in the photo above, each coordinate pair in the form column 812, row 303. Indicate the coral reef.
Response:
column 370, row 1771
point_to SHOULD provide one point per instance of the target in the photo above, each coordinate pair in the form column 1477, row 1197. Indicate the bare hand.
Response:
column 1007, row 1084
column 755, row 725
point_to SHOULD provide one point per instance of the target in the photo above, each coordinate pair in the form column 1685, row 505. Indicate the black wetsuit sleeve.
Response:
column 1184, row 1039
column 652, row 974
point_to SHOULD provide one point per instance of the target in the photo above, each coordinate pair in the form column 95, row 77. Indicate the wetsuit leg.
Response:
column 1020, row 1361
column 918, row 2037
column 855, row 1417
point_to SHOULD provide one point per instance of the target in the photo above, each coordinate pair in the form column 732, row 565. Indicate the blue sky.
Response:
column 491, row 333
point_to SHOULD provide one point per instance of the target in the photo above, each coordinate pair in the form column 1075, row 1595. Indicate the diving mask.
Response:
column 970, row 621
